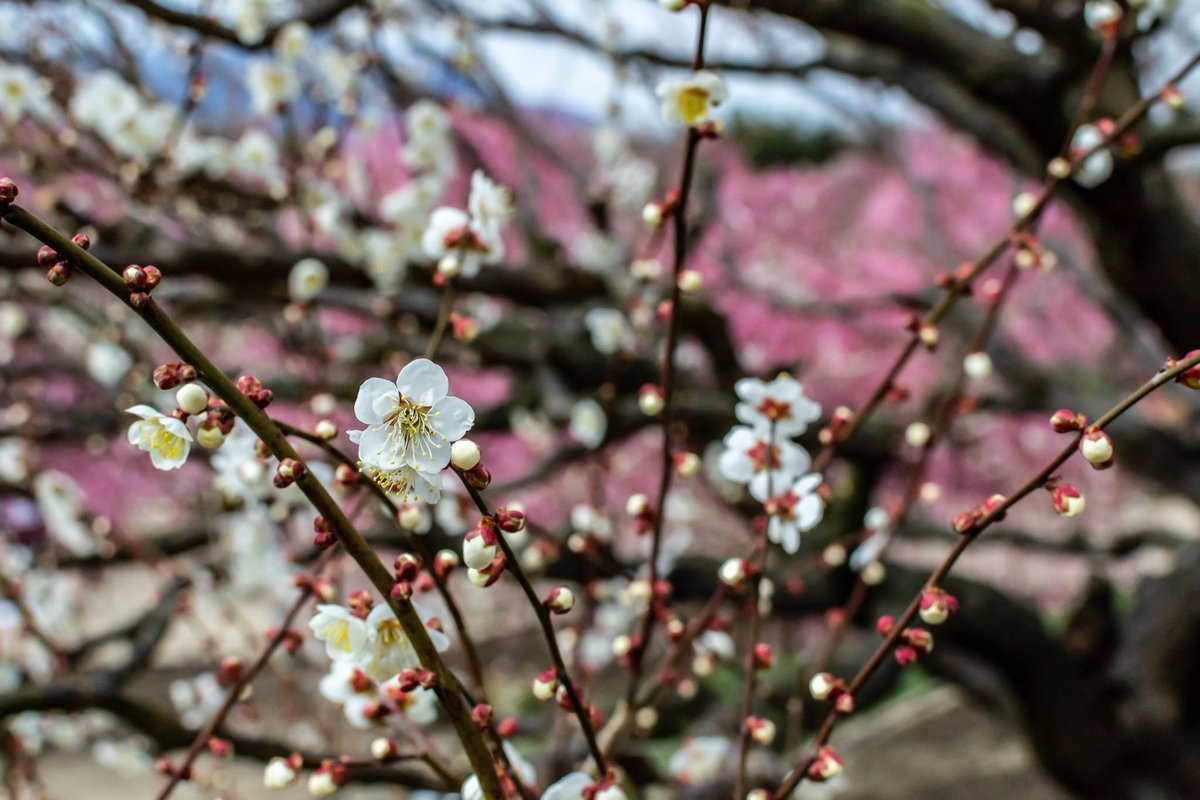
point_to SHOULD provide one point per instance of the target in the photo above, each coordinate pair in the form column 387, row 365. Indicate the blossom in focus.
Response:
column 691, row 100
column 411, row 423
column 165, row 438
column 751, row 457
column 780, row 404
column 387, row 649
column 344, row 634
column 794, row 512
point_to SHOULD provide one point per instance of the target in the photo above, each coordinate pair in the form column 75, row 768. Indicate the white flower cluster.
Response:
column 411, row 424
column 759, row 453
column 463, row 241
column 368, row 654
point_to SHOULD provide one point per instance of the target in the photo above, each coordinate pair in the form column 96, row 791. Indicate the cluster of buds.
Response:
column 638, row 506
column 326, row 779
column 968, row 522
column 216, row 421
column 826, row 686
column 827, row 765
column 288, row 471
column 936, row 605
column 252, row 387
column 1030, row 253
column 466, row 458
column 1097, row 449
column 168, row 376
column 323, row 535
column 916, row 642
column 407, row 569
column 482, row 553
column 837, row 424
column 656, row 211
column 58, row 270
column 140, row 281
column 1067, row 421
column 410, row 680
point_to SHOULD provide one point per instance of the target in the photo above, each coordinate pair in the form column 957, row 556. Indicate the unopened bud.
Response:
column 1066, row 421
column 464, row 454
column 192, row 398
column 545, row 685
column 650, row 400
column 1067, row 500
column 560, row 600
column 1097, row 449
column 937, row 605
column 734, row 572
column 761, row 730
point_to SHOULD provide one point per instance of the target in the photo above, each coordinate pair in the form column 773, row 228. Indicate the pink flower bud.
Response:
column 153, row 276
column 8, row 191
column 60, row 273
column 919, row 639
column 510, row 519
column 166, row 376
column 761, row 730
column 937, row 605
column 824, row 684
column 506, row 728
column 1066, row 421
column 844, row 703
column 905, row 656
column 1190, row 377
column 764, row 657
column 445, row 562
column 991, row 505
column 134, row 277
column 560, row 600
column 885, row 624
column 1067, row 500
column 47, row 255
column 827, row 764
column 406, row 566
column 478, row 477
column 481, row 716
column 545, row 685
column 965, row 522
column 1097, row 449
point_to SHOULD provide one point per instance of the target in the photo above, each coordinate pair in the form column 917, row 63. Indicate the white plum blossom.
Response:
column 308, row 278
column 108, row 362
column 60, row 504
column 420, row 705
column 411, row 423
column 344, row 634
column 271, row 85
column 197, row 699
column 165, row 438
column 610, row 330
column 255, row 156
column 588, row 423
column 473, row 237
column 1097, row 167
column 292, row 41
column 778, row 405
column 699, row 759
column 388, row 650
column 348, row 686
column 751, row 457
column 23, row 93
column 570, row 787
column 691, row 100
column 793, row 512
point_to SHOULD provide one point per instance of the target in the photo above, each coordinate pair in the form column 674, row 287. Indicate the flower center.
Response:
column 693, row 104
column 410, row 431
column 163, row 441
column 774, row 410
column 763, row 456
